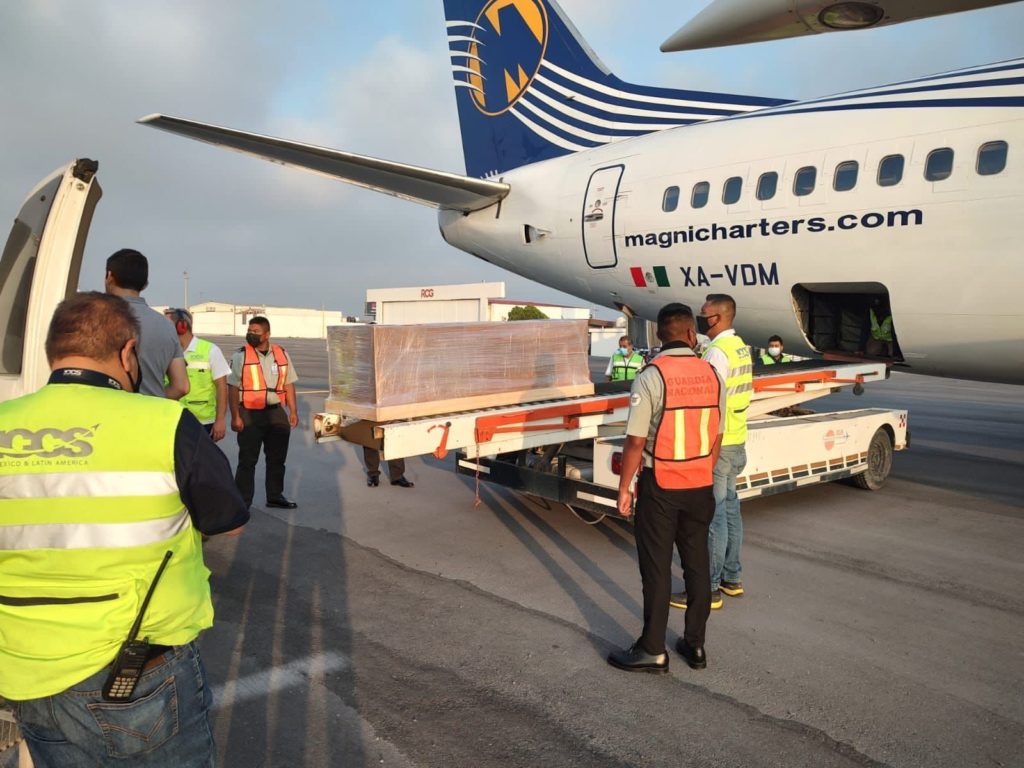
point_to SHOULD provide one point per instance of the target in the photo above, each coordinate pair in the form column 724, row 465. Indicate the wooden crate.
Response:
column 389, row 372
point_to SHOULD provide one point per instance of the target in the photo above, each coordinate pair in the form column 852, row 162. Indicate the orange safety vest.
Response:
column 254, row 386
column 689, row 423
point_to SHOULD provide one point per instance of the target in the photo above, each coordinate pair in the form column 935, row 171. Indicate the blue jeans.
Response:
column 165, row 724
column 726, row 534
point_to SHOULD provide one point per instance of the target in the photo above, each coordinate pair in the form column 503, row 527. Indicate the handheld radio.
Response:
column 133, row 654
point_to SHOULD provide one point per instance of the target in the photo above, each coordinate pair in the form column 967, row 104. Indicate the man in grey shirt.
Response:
column 159, row 351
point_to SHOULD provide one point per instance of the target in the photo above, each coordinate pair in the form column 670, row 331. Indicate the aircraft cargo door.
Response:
column 39, row 268
column 599, row 217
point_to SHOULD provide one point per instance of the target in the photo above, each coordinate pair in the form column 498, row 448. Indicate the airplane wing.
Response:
column 733, row 22
column 409, row 182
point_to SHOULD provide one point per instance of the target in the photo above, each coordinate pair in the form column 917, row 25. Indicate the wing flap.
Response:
column 437, row 189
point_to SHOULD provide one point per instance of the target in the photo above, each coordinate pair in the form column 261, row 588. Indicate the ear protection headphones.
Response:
column 180, row 322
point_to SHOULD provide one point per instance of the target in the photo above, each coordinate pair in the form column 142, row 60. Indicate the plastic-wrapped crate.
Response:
column 389, row 372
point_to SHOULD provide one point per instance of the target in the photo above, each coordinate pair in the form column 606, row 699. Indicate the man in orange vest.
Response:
column 261, row 386
column 673, row 437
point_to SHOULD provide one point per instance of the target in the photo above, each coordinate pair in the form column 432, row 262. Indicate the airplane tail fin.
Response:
column 529, row 88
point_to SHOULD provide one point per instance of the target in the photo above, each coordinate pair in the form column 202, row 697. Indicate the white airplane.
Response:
column 805, row 212
column 733, row 22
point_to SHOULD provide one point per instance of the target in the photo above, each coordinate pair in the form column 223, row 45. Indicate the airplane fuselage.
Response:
column 945, row 252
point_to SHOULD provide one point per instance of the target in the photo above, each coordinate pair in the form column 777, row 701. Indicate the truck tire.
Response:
column 879, row 462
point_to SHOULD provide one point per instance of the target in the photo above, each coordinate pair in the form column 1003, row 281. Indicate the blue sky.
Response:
column 370, row 78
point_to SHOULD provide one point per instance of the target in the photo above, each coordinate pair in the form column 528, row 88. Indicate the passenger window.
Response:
column 890, row 171
column 939, row 164
column 803, row 183
column 766, row 185
column 670, row 200
column 992, row 158
column 846, row 176
column 699, row 198
column 732, row 189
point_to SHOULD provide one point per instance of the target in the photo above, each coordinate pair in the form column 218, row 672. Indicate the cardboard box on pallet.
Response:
column 389, row 372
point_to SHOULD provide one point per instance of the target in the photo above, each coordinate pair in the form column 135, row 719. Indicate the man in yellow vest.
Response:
column 672, row 438
column 730, row 357
column 261, row 386
column 208, row 371
column 775, row 354
column 880, row 342
column 625, row 363
column 98, row 487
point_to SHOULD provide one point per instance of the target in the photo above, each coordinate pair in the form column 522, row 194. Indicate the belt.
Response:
column 157, row 656
column 268, row 407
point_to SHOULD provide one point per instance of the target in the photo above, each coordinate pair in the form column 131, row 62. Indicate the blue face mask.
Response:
column 623, row 351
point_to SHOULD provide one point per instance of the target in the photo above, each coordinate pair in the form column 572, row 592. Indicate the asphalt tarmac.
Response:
column 408, row 627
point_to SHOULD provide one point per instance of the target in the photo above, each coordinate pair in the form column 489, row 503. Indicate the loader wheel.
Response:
column 879, row 462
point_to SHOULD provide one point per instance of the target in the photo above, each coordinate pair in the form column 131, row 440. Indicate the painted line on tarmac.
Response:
column 292, row 674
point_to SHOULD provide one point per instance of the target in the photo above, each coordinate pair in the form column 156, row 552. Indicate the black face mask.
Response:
column 253, row 339
column 136, row 383
column 703, row 326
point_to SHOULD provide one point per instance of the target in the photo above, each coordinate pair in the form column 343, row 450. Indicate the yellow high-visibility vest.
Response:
column 89, row 504
column 202, row 392
column 880, row 331
column 626, row 369
column 739, row 386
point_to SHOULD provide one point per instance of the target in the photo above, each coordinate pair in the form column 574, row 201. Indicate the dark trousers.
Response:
column 396, row 467
column 667, row 519
column 268, row 428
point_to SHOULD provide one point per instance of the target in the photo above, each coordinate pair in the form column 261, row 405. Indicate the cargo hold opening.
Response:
column 836, row 320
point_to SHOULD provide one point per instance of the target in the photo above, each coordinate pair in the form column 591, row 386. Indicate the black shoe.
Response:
column 282, row 503
column 732, row 588
column 678, row 600
column 403, row 482
column 372, row 481
column 694, row 657
column 636, row 659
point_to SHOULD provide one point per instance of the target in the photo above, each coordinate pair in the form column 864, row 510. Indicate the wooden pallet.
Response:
column 456, row 405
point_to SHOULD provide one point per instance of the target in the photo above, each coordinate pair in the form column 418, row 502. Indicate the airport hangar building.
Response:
column 476, row 302
column 465, row 303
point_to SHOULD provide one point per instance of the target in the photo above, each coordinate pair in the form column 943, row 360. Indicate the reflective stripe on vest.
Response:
column 689, row 422
column 880, row 331
column 626, row 370
column 92, row 535
column 89, row 504
column 739, row 386
column 35, row 486
column 253, row 385
column 202, row 392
